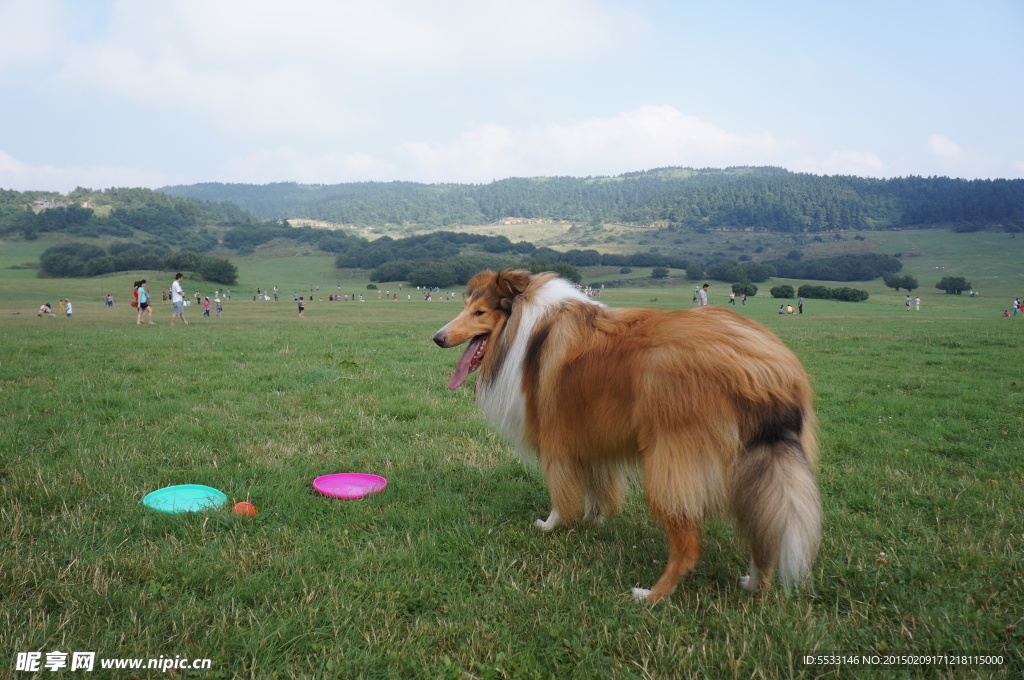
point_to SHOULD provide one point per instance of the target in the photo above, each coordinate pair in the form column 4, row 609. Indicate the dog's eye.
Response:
column 478, row 312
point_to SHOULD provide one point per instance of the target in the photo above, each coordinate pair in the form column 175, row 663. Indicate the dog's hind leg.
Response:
column 683, row 553
column 758, row 576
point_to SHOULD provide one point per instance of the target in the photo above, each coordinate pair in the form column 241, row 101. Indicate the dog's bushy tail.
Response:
column 778, row 507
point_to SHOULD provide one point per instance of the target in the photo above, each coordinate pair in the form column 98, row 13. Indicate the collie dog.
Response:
column 712, row 406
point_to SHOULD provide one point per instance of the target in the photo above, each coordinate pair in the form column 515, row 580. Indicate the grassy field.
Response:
column 442, row 574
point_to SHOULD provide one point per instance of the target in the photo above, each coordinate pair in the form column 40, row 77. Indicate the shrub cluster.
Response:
column 744, row 288
column 740, row 271
column 840, row 268
column 460, row 269
column 896, row 281
column 953, row 285
column 825, row 293
column 74, row 259
column 783, row 291
column 356, row 252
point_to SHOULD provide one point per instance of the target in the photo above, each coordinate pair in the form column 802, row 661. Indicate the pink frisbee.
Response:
column 349, row 485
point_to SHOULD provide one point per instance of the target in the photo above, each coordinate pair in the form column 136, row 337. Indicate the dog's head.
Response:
column 490, row 298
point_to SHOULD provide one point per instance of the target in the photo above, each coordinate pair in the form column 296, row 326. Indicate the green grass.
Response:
column 442, row 574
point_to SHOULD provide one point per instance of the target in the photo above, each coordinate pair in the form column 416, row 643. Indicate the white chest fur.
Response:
column 502, row 399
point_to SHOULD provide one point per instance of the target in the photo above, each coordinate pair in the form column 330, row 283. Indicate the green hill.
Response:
column 762, row 198
column 727, row 225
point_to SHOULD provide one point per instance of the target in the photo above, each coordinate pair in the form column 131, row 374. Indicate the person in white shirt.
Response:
column 178, row 299
column 702, row 300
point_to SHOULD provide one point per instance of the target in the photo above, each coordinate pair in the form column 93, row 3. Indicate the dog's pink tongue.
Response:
column 465, row 363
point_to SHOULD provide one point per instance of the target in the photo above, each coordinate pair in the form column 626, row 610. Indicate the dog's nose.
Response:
column 440, row 338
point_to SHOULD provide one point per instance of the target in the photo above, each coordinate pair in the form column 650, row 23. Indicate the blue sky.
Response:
column 102, row 93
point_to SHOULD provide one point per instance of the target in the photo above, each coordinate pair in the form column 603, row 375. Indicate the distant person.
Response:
column 1016, row 306
column 1006, row 313
column 782, row 309
column 178, row 299
column 46, row 310
column 144, row 306
column 67, row 309
column 732, row 299
column 917, row 303
column 206, row 307
column 702, row 300
column 220, row 307
column 109, row 299
column 908, row 303
column 302, row 308
column 800, row 304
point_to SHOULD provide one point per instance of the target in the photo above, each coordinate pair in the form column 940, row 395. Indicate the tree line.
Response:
column 160, row 218
column 158, row 225
column 863, row 267
column 74, row 259
column 447, row 258
column 763, row 198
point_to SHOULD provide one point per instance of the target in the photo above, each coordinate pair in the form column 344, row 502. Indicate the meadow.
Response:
column 442, row 575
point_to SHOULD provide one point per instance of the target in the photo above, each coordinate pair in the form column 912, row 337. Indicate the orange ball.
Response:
column 244, row 508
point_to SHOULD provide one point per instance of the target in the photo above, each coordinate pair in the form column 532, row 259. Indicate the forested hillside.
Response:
column 121, row 229
column 132, row 228
column 771, row 199
column 115, row 212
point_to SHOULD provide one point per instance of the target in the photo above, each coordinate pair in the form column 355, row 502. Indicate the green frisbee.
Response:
column 184, row 498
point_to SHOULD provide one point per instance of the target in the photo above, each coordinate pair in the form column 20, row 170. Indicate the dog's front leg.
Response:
column 550, row 523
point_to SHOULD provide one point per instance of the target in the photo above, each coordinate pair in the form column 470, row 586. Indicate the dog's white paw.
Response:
column 550, row 523
column 640, row 594
column 750, row 582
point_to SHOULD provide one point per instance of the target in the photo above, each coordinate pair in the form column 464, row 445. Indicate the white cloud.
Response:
column 20, row 176
column 34, row 31
column 941, row 146
column 648, row 137
column 405, row 32
column 291, row 164
column 307, row 66
column 651, row 136
column 285, row 97
column 852, row 163
column 857, row 163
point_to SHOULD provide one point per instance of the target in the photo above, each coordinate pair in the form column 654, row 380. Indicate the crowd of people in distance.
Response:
column 142, row 301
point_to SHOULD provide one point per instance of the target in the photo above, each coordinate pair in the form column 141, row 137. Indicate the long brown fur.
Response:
column 712, row 405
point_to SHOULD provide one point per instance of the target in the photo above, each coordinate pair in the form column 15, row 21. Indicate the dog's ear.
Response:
column 511, row 284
